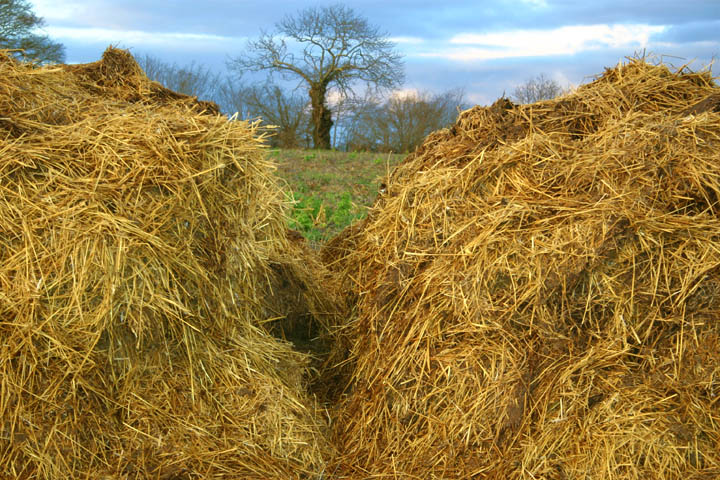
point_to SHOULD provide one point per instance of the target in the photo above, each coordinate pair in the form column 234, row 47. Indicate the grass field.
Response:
column 330, row 189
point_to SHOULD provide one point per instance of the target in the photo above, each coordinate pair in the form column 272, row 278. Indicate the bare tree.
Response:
column 343, row 109
column 325, row 47
column 402, row 122
column 361, row 125
column 414, row 116
column 18, row 31
column 192, row 79
column 231, row 96
column 286, row 112
column 536, row 89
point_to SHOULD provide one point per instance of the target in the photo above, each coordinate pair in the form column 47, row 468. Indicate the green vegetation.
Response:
column 330, row 189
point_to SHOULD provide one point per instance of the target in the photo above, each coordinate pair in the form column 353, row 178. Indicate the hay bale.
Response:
column 538, row 292
column 139, row 236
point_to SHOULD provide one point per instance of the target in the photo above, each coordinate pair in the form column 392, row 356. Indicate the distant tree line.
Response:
column 339, row 79
column 378, row 121
column 347, row 81
column 395, row 121
column 537, row 89
column 398, row 123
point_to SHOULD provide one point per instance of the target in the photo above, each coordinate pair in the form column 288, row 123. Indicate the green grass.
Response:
column 330, row 190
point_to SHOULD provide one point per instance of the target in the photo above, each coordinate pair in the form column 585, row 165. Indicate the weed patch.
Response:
column 330, row 190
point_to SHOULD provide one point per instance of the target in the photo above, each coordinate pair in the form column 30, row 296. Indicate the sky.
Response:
column 485, row 47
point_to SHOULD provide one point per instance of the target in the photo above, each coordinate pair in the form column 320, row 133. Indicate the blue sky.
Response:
column 485, row 47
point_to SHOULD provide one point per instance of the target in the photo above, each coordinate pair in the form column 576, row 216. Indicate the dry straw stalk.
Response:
column 140, row 236
column 538, row 292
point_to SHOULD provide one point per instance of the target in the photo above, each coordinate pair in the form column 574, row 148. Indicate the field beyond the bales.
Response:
column 331, row 189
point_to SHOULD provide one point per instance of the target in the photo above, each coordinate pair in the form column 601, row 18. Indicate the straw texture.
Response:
column 141, row 235
column 538, row 292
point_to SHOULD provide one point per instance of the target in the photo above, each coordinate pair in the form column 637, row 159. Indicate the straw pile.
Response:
column 538, row 292
column 140, row 234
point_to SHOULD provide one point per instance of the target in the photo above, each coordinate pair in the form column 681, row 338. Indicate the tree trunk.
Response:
column 321, row 116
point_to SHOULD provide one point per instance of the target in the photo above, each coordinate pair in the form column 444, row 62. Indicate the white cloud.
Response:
column 334, row 97
column 540, row 43
column 52, row 10
column 405, row 93
column 562, row 79
column 479, row 99
column 138, row 37
column 407, row 40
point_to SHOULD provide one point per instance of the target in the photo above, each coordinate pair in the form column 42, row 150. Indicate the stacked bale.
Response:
column 538, row 292
column 140, row 234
